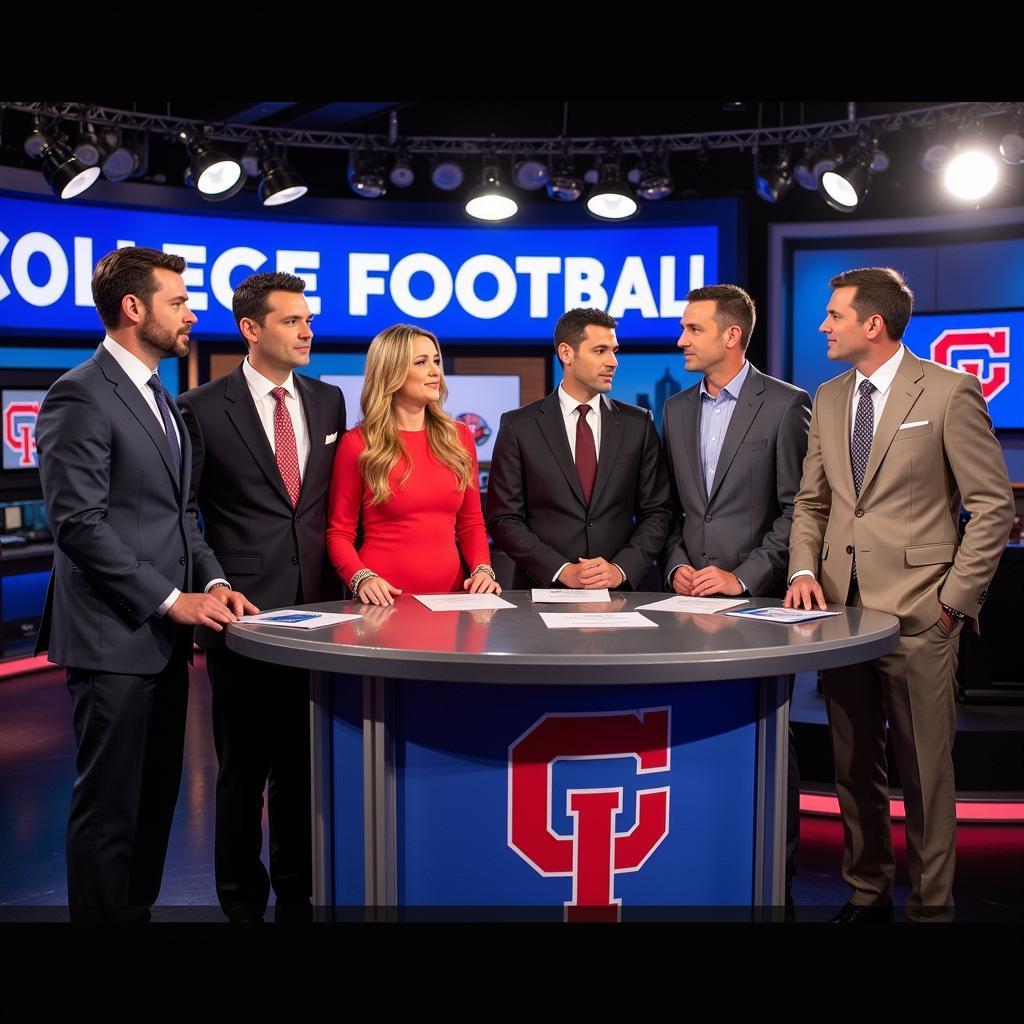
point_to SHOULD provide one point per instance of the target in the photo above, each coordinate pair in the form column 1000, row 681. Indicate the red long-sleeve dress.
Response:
column 410, row 538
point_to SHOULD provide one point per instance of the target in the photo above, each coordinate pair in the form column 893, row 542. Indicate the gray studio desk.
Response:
column 480, row 764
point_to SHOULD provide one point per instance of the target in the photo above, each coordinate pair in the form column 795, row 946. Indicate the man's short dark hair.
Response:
column 880, row 290
column 572, row 326
column 128, row 271
column 250, row 300
column 735, row 306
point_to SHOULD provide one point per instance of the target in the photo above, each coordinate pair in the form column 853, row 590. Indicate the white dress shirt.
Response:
column 570, row 417
column 882, row 379
column 139, row 374
column 266, row 406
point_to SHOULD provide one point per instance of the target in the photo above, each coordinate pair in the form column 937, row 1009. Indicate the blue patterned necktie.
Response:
column 165, row 412
column 860, row 442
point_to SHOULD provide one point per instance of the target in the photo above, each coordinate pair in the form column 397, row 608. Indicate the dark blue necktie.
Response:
column 860, row 442
column 165, row 412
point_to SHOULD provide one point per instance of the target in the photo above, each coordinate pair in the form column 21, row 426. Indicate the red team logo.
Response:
column 477, row 424
column 596, row 851
column 20, row 431
column 985, row 352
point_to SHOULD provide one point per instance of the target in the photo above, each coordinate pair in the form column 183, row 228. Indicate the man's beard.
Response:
column 167, row 343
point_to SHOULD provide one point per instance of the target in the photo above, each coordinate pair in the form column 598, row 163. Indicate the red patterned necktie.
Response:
column 284, row 446
column 586, row 453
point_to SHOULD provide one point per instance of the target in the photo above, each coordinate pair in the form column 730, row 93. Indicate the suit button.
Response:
column 590, row 522
column 849, row 549
column 295, row 559
column 181, row 561
column 859, row 513
column 707, row 519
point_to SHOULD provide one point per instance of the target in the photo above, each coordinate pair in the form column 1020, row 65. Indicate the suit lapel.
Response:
column 552, row 428
column 841, row 423
column 611, row 439
column 904, row 392
column 128, row 393
column 691, row 439
column 748, row 403
column 315, row 430
column 241, row 411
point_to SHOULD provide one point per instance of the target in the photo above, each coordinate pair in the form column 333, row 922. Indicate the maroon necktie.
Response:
column 284, row 446
column 586, row 453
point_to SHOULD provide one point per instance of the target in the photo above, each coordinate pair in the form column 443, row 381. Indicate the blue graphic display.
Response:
column 461, row 282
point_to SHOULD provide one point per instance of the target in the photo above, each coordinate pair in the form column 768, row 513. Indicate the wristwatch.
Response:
column 953, row 613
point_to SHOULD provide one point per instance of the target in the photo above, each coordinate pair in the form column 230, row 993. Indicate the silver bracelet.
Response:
column 360, row 578
column 483, row 567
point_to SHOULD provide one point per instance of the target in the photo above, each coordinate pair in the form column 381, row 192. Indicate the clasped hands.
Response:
column 704, row 582
column 591, row 574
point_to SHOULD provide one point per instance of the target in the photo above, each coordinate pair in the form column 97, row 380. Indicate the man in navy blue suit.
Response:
column 115, row 462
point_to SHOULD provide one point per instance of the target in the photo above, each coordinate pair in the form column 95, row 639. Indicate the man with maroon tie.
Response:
column 263, row 444
column 578, row 493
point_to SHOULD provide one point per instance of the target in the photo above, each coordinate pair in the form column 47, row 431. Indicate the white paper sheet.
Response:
column 567, row 596
column 787, row 616
column 462, row 602
column 694, row 605
column 302, row 620
column 596, row 620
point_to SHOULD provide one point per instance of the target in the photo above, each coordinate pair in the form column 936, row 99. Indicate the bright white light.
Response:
column 839, row 189
column 286, row 195
column 492, row 206
column 219, row 177
column 612, row 206
column 80, row 183
column 971, row 174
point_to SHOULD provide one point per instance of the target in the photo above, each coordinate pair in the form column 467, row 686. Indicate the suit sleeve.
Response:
column 675, row 553
column 205, row 566
column 506, row 509
column 652, row 510
column 469, row 520
column 764, row 569
column 73, row 437
column 344, row 502
column 978, row 466
column 812, row 504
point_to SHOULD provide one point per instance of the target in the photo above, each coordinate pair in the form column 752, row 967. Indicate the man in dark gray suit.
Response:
column 577, row 494
column 115, row 462
column 735, row 445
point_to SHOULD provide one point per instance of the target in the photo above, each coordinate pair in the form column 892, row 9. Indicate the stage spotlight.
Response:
column 217, row 176
column 89, row 147
column 844, row 188
column 655, row 180
column 1011, row 145
column 772, row 181
column 402, row 174
column 934, row 154
column 446, row 174
column 803, row 169
column 250, row 159
column 490, row 201
column 279, row 184
column 530, row 173
column 63, row 171
column 365, row 175
column 120, row 161
column 610, row 198
column 565, row 185
column 971, row 173
column 825, row 159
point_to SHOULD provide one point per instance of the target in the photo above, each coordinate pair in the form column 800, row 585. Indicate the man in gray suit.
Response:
column 115, row 462
column 735, row 444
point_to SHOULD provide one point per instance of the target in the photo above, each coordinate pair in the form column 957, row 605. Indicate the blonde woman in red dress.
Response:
column 410, row 471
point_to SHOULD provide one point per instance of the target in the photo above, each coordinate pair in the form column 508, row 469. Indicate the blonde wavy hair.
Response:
column 388, row 362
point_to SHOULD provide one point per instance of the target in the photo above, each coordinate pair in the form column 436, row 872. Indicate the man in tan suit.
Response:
column 896, row 445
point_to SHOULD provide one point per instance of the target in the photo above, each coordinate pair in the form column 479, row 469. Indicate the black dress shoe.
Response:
column 244, row 915
column 853, row 913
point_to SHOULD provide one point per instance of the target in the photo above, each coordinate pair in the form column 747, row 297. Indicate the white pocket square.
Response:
column 331, row 438
column 916, row 423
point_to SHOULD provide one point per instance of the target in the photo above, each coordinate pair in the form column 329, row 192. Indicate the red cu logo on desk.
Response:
column 595, row 852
